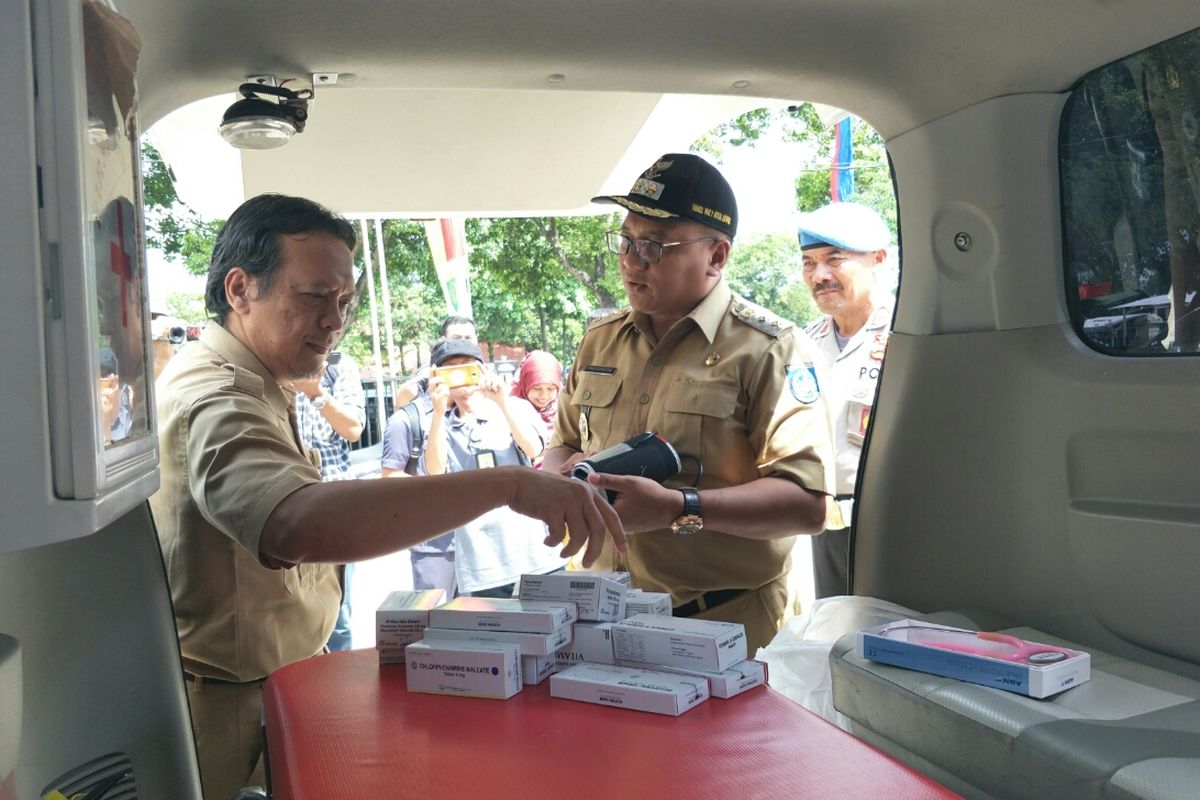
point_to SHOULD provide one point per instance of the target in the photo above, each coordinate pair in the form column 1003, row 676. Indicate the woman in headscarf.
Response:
column 539, row 380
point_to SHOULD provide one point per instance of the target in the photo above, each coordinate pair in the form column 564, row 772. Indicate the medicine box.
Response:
column 469, row 669
column 997, row 660
column 740, row 677
column 639, row 602
column 700, row 644
column 531, row 644
column 402, row 616
column 592, row 644
column 502, row 614
column 535, row 669
column 625, row 687
column 598, row 598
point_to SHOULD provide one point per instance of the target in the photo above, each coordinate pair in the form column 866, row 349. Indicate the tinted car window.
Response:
column 1130, row 166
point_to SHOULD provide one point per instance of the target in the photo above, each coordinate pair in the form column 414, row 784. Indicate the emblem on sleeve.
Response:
column 802, row 381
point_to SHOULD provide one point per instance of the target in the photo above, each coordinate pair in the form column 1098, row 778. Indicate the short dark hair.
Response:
column 456, row 320
column 250, row 239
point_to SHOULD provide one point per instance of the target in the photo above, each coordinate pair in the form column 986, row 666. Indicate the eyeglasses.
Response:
column 647, row 250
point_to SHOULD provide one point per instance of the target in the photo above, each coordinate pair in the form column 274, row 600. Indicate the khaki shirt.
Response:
column 229, row 455
column 731, row 384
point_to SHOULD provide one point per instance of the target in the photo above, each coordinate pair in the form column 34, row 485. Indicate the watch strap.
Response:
column 691, row 502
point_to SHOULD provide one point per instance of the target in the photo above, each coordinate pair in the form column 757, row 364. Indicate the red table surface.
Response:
column 344, row 726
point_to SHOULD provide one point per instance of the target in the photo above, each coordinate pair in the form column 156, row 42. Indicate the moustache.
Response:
column 823, row 285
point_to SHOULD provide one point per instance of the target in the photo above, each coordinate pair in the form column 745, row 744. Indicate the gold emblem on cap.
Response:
column 713, row 358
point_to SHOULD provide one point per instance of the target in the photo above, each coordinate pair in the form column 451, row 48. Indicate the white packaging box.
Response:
column 624, row 687
column 639, row 602
column 535, row 669
column 599, row 599
column 502, row 614
column 402, row 616
column 531, row 644
column 469, row 669
column 701, row 644
column 733, row 681
column 592, row 645
column 910, row 644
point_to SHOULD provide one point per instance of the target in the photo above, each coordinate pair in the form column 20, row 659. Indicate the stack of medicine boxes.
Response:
column 488, row 646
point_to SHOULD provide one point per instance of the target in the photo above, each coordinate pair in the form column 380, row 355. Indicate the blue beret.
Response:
column 849, row 226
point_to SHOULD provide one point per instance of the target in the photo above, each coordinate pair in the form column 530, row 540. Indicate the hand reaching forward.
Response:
column 566, row 504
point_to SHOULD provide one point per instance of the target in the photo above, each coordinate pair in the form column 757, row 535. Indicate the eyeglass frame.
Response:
column 633, row 244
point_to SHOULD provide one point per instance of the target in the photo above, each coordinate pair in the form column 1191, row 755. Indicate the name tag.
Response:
column 485, row 460
column 600, row 370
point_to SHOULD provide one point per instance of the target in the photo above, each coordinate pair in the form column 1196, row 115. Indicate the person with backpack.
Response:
column 404, row 438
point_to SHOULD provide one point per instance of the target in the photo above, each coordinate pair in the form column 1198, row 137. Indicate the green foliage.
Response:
column 766, row 270
column 171, row 225
column 186, row 306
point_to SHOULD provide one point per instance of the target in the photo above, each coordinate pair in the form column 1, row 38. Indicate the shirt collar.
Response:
column 707, row 314
column 231, row 350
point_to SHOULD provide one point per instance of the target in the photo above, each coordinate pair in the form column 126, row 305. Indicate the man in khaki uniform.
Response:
column 249, row 532
column 720, row 379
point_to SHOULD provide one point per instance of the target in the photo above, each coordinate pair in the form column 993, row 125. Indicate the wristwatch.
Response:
column 690, row 521
column 319, row 402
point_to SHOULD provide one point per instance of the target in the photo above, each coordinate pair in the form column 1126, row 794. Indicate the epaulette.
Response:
column 817, row 327
column 758, row 317
column 613, row 316
column 246, row 380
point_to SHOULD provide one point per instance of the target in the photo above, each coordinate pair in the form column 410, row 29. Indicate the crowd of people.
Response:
column 256, row 420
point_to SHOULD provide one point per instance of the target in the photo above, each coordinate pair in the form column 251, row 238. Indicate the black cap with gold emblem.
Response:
column 682, row 186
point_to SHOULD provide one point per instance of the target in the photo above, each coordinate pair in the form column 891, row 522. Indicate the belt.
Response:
column 203, row 679
column 706, row 601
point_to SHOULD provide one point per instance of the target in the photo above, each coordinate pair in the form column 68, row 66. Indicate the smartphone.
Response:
column 459, row 375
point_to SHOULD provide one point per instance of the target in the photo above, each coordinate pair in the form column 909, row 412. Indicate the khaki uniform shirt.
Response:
column 229, row 455
column 731, row 384
column 850, row 390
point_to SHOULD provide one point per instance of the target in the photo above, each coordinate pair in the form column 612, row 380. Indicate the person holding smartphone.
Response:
column 477, row 425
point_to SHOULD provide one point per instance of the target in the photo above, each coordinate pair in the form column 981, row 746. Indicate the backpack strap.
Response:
column 416, row 436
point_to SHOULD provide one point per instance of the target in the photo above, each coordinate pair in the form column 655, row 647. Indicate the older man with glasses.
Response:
column 719, row 378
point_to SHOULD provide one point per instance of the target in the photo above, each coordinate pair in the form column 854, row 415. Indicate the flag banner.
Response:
column 448, row 244
column 841, row 175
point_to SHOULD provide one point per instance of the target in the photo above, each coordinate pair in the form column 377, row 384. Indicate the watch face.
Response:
column 687, row 526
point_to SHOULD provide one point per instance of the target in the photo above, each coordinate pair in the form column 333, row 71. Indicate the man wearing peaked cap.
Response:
column 843, row 245
column 719, row 378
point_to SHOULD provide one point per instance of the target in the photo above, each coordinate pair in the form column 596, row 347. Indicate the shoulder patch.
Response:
column 803, row 383
column 620, row 313
column 758, row 317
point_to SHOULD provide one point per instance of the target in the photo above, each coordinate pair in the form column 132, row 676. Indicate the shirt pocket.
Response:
column 594, row 403
column 300, row 579
column 699, row 416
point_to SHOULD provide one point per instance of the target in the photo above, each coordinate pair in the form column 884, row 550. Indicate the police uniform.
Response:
column 850, row 391
column 230, row 453
column 735, row 386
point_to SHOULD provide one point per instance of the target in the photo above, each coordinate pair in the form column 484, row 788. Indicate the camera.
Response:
column 176, row 334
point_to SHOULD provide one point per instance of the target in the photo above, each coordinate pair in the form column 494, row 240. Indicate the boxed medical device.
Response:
column 624, row 687
column 701, row 644
column 469, row 669
column 503, row 614
column 402, row 616
column 592, row 644
column 598, row 598
column 639, row 602
column 531, row 644
column 999, row 660
column 535, row 669
column 739, row 678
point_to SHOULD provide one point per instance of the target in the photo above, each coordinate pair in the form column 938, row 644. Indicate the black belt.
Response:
column 190, row 678
column 706, row 601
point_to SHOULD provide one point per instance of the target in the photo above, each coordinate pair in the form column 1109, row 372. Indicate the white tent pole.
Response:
column 380, row 411
column 387, row 301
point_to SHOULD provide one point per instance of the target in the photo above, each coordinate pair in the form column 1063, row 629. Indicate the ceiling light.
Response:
column 256, row 123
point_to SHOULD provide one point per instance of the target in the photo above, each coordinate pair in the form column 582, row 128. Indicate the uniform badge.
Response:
column 879, row 346
column 802, row 381
column 584, row 433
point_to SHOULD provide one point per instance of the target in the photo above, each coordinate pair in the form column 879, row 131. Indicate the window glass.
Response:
column 1130, row 162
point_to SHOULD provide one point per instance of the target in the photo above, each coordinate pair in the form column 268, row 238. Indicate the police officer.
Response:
column 720, row 379
column 843, row 245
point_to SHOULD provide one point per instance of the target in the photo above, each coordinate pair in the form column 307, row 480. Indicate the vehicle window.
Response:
column 1130, row 167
